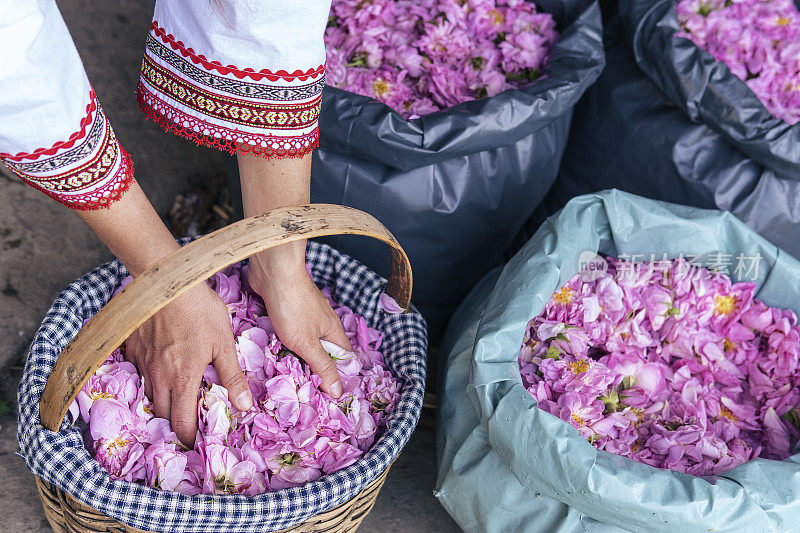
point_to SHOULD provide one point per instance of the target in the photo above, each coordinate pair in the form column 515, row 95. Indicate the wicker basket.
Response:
column 168, row 279
column 68, row 515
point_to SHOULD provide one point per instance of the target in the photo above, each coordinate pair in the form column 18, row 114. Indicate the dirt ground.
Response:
column 44, row 246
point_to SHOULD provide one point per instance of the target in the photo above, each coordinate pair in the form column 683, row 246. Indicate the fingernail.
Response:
column 245, row 401
column 336, row 389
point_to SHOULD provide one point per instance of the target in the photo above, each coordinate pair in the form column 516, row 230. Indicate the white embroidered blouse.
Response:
column 242, row 75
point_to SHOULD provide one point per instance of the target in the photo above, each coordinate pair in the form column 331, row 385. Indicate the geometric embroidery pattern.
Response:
column 90, row 171
column 272, row 114
column 233, row 86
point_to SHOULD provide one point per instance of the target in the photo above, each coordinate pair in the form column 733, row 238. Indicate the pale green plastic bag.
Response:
column 505, row 465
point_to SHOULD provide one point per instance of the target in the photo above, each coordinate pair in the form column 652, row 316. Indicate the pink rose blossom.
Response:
column 294, row 434
column 672, row 367
column 389, row 305
column 422, row 56
column 759, row 41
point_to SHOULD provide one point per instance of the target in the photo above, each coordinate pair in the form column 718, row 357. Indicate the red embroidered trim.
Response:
column 272, row 115
column 196, row 58
column 101, row 197
column 87, row 174
column 292, row 147
column 91, row 107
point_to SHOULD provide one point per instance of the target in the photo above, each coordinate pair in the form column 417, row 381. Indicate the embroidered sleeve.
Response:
column 237, row 75
column 53, row 133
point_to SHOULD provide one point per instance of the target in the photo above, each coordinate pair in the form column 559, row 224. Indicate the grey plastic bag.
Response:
column 705, row 89
column 666, row 121
column 505, row 465
column 455, row 186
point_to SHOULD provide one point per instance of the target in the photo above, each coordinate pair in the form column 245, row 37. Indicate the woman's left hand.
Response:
column 299, row 312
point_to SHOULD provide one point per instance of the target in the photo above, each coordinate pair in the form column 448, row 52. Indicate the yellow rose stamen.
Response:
column 728, row 345
column 578, row 367
column 497, row 17
column 726, row 413
column 724, row 305
column 116, row 445
column 380, row 87
column 564, row 296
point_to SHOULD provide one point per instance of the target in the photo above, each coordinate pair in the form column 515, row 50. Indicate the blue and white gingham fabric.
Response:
column 61, row 459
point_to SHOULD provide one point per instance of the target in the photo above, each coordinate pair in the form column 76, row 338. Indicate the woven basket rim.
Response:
column 54, row 500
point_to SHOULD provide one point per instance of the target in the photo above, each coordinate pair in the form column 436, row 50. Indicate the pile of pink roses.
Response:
column 669, row 365
column 294, row 434
column 759, row 40
column 420, row 56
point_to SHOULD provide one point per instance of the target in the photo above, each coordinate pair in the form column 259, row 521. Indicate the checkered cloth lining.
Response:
column 61, row 459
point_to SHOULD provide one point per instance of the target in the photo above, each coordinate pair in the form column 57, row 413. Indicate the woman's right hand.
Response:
column 172, row 349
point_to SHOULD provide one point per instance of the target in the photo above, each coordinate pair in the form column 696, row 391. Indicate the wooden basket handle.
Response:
column 192, row 264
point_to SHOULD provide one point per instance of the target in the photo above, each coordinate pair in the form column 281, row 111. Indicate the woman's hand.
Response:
column 172, row 349
column 299, row 312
